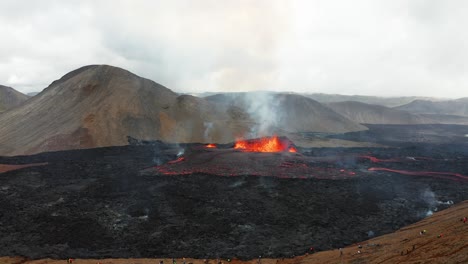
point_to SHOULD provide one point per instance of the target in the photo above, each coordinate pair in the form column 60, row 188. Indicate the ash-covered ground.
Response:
column 155, row 200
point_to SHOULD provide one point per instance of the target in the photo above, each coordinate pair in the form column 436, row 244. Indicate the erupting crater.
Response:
column 266, row 144
column 278, row 157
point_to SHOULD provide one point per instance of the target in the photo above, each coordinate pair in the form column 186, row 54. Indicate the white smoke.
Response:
column 207, row 133
column 430, row 198
column 180, row 152
column 263, row 109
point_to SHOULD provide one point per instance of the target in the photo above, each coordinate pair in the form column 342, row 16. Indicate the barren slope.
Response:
column 451, row 107
column 10, row 98
column 292, row 112
column 376, row 114
column 384, row 101
column 102, row 105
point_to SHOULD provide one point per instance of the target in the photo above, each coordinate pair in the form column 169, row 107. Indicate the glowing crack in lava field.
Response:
column 278, row 157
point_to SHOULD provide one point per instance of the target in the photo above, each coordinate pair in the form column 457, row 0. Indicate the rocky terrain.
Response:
column 10, row 98
column 444, row 242
column 114, row 202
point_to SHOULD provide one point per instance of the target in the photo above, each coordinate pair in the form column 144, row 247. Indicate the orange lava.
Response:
column 210, row 145
column 265, row 144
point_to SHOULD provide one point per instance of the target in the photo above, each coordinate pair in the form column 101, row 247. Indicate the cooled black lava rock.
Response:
column 96, row 203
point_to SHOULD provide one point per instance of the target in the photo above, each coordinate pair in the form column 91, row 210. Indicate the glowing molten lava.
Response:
column 265, row 144
column 210, row 145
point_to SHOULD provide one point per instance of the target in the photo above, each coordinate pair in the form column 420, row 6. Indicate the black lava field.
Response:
column 152, row 199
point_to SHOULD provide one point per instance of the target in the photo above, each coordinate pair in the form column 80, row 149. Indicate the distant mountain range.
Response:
column 100, row 105
column 292, row 112
column 376, row 114
column 335, row 98
column 376, row 100
column 457, row 107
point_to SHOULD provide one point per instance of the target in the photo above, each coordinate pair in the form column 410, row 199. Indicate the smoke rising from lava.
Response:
column 262, row 107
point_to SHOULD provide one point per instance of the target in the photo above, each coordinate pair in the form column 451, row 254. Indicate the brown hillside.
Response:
column 458, row 107
column 101, row 105
column 293, row 112
column 376, row 114
column 10, row 98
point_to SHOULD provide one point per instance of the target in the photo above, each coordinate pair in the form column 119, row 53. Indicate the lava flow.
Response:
column 211, row 145
column 265, row 144
column 443, row 175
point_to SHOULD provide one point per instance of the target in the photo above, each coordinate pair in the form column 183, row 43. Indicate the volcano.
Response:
column 101, row 105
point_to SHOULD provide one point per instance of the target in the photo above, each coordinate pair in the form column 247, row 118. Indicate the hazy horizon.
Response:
column 371, row 48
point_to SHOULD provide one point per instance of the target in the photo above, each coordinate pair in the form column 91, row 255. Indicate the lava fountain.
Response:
column 265, row 144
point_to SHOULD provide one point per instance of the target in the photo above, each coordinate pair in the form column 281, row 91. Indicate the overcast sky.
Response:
column 387, row 48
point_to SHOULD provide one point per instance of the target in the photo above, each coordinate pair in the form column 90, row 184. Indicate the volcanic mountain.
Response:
column 384, row 101
column 101, row 105
column 292, row 112
column 458, row 107
column 376, row 114
column 10, row 98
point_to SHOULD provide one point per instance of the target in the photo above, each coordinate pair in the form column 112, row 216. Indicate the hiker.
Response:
column 70, row 260
column 183, row 261
column 174, row 261
column 161, row 262
column 464, row 220
column 312, row 249
column 341, row 251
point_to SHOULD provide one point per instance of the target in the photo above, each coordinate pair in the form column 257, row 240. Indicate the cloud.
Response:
column 351, row 47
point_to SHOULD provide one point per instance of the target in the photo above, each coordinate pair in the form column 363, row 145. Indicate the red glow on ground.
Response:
column 445, row 175
column 210, row 145
column 177, row 160
column 377, row 160
column 265, row 144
